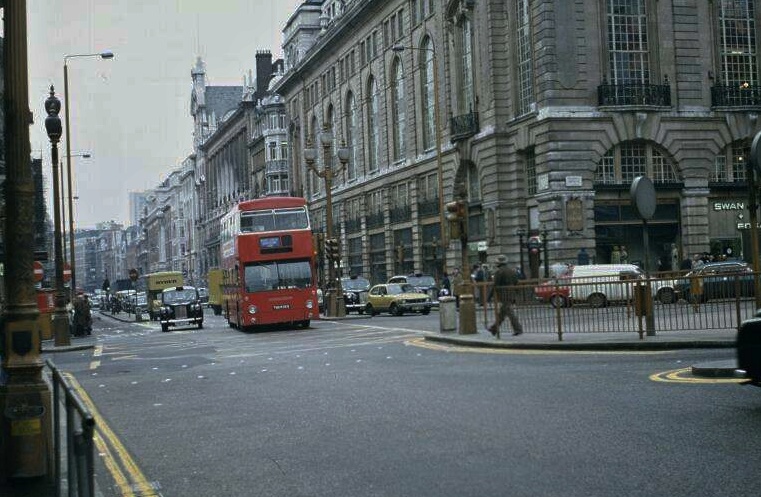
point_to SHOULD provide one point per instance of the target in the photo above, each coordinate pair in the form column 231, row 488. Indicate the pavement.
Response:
column 674, row 340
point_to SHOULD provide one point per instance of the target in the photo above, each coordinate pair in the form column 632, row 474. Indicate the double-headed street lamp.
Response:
column 335, row 304
column 437, row 124
column 106, row 54
column 66, row 258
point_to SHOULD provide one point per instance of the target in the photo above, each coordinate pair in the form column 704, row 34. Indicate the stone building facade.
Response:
column 548, row 111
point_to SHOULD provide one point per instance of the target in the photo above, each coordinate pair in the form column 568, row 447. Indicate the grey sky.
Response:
column 132, row 112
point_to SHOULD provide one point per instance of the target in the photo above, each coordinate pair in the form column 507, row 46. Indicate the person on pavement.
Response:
column 505, row 280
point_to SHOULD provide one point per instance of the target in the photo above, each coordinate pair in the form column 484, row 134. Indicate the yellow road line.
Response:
column 684, row 375
column 140, row 482
column 443, row 347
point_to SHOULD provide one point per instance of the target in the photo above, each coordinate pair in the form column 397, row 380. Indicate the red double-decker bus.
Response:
column 268, row 263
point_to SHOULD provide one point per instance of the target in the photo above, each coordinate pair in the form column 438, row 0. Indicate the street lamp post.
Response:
column 60, row 319
column 521, row 233
column 25, row 426
column 106, row 54
column 335, row 304
column 66, row 258
column 439, row 165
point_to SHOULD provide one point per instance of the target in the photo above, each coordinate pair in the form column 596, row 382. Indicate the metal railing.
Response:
column 634, row 94
column 78, row 443
column 735, row 96
column 703, row 303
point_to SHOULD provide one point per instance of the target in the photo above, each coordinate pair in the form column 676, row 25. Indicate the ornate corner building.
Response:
column 548, row 109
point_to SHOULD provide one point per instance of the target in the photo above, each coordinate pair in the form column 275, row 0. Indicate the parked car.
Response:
column 555, row 291
column 180, row 306
column 716, row 280
column 355, row 291
column 203, row 294
column 397, row 298
column 595, row 284
column 749, row 349
column 422, row 283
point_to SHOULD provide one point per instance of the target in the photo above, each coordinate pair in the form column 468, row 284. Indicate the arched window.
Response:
column 428, row 92
column 626, row 161
column 373, row 124
column 352, row 142
column 399, row 118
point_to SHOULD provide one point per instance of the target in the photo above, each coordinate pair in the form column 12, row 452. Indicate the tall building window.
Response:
column 315, row 144
column 525, row 59
column 731, row 164
column 428, row 90
column 529, row 160
column 351, row 137
column 399, row 122
column 373, row 124
column 466, row 100
column 737, row 38
column 626, row 161
column 628, row 42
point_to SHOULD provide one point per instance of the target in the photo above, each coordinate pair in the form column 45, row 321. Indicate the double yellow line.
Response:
column 126, row 474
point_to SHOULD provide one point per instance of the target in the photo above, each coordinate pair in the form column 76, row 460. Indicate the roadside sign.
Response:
column 38, row 271
column 66, row 272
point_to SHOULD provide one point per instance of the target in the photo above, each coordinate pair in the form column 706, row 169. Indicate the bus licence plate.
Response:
column 280, row 307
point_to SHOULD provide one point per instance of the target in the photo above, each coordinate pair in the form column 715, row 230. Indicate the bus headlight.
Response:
column 310, row 304
column 252, row 309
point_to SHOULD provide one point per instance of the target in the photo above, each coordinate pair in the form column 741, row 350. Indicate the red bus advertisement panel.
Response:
column 268, row 261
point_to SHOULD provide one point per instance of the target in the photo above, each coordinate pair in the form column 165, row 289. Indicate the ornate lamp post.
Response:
column 106, row 54
column 25, row 434
column 334, row 298
column 53, row 128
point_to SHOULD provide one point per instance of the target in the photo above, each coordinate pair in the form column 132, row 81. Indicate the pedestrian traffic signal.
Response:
column 332, row 249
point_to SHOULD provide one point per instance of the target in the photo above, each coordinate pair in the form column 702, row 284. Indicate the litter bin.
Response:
column 27, row 442
column 447, row 314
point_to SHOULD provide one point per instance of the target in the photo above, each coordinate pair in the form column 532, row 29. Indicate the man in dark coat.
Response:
column 504, row 280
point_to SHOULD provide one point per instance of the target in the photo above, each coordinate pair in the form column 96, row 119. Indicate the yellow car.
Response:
column 397, row 298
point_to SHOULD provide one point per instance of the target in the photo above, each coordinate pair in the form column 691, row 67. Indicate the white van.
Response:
column 599, row 284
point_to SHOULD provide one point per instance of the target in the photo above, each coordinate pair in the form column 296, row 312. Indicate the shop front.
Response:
column 619, row 235
column 729, row 228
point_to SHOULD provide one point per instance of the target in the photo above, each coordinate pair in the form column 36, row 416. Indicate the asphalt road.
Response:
column 366, row 408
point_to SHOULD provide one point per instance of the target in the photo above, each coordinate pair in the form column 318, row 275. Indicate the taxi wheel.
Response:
column 395, row 310
column 370, row 311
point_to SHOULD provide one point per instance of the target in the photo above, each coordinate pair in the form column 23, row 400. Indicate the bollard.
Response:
column 447, row 314
column 467, row 315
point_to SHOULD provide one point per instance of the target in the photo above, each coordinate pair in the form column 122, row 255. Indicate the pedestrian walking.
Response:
column 505, row 280
column 446, row 284
column 457, row 282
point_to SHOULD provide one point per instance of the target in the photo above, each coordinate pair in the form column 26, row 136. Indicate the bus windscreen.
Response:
column 280, row 275
column 274, row 220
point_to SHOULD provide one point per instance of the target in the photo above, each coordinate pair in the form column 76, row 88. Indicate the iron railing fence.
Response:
column 78, row 443
column 702, row 303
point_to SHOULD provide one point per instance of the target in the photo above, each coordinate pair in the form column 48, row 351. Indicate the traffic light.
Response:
column 332, row 249
column 455, row 210
column 456, row 216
